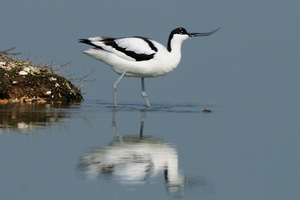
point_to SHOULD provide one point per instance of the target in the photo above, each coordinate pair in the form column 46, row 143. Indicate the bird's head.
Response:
column 180, row 34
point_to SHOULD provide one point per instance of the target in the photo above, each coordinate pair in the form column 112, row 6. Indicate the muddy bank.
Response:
column 22, row 81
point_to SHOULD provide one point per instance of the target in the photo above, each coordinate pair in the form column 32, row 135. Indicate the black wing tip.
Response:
column 85, row 41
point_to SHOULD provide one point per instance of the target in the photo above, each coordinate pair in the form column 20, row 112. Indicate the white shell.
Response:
column 52, row 79
column 23, row 73
column 26, row 69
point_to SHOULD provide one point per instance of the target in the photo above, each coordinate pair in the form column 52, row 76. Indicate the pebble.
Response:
column 26, row 69
column 48, row 93
column 23, row 73
column 207, row 110
column 52, row 79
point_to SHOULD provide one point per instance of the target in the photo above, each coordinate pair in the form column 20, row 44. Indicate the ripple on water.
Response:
column 156, row 107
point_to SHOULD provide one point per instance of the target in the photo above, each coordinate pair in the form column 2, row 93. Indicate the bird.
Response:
column 139, row 56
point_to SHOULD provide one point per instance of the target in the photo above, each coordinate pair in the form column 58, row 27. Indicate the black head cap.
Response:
column 180, row 31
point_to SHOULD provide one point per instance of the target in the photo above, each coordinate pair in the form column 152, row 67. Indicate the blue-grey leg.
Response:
column 114, row 125
column 115, row 85
column 143, row 117
column 144, row 95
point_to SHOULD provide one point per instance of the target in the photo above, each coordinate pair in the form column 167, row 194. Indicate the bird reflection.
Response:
column 134, row 160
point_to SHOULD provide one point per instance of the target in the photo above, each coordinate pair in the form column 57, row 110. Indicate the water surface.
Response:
column 93, row 151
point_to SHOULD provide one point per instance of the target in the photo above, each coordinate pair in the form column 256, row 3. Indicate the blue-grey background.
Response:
column 247, row 73
column 243, row 61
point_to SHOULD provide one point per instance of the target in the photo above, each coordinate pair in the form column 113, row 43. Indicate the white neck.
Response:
column 174, row 48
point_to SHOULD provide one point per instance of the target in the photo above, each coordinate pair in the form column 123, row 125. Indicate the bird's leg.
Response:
column 114, row 125
column 144, row 95
column 115, row 85
column 143, row 117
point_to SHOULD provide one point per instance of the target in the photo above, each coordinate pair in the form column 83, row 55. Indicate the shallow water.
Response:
column 92, row 151
column 247, row 74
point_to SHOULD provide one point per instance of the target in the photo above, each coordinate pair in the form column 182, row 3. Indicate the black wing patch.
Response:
column 137, row 56
column 108, row 41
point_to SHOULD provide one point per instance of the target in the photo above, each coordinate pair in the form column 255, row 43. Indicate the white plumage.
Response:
column 139, row 56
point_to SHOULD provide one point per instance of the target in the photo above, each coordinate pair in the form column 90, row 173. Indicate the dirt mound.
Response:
column 21, row 81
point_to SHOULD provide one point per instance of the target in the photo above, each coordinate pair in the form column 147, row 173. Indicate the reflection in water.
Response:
column 27, row 116
column 134, row 159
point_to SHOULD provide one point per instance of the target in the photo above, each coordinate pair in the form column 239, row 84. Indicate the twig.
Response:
column 6, row 52
column 83, row 79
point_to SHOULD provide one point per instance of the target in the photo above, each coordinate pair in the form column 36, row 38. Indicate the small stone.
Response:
column 52, row 79
column 48, row 93
column 26, row 69
column 207, row 110
column 23, row 73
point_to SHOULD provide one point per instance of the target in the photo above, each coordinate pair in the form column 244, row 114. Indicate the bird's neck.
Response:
column 174, row 43
column 175, row 51
column 172, row 59
column 174, row 47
